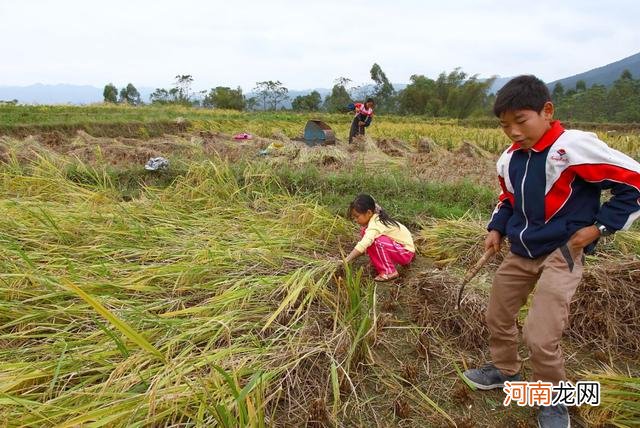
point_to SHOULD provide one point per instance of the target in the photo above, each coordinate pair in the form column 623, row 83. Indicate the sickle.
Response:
column 472, row 272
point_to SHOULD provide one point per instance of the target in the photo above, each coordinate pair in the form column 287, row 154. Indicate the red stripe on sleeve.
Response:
column 505, row 193
column 594, row 173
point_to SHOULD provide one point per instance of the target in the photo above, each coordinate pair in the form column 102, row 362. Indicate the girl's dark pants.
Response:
column 356, row 128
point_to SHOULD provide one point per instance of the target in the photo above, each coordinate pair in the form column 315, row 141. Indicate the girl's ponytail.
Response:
column 363, row 202
column 386, row 218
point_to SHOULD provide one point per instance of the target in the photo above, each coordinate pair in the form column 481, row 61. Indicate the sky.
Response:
column 305, row 44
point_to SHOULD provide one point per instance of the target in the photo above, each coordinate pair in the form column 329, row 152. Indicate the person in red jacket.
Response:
column 362, row 119
column 551, row 212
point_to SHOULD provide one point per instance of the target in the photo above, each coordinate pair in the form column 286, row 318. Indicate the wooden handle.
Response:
column 472, row 272
column 483, row 260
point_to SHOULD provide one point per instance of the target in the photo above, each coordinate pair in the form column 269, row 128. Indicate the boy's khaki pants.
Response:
column 557, row 276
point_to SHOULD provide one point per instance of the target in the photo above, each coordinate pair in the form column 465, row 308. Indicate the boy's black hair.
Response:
column 370, row 100
column 522, row 93
column 364, row 202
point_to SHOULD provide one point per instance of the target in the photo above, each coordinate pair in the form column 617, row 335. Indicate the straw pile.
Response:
column 465, row 329
column 454, row 241
column 606, row 312
column 197, row 304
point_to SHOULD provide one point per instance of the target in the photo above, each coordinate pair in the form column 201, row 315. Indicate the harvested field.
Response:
column 211, row 297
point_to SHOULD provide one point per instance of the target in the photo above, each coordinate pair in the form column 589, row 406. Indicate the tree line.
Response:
column 618, row 103
column 452, row 94
column 455, row 94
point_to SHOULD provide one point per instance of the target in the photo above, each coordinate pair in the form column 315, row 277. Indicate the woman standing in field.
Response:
column 362, row 119
column 386, row 241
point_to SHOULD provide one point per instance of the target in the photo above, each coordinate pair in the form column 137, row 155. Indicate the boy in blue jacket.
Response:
column 549, row 208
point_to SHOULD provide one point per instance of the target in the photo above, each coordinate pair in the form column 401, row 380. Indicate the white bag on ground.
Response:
column 155, row 164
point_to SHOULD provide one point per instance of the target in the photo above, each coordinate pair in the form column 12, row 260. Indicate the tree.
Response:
column 130, row 95
column 110, row 93
column 557, row 93
column 418, row 97
column 251, row 104
column 182, row 86
column 384, row 93
column 339, row 98
column 626, row 75
column 271, row 93
column 180, row 93
column 624, row 99
column 163, row 96
column 618, row 103
column 451, row 95
column 226, row 98
column 469, row 97
column 310, row 102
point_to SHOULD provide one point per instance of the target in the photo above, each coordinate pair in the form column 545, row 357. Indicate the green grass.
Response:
column 408, row 199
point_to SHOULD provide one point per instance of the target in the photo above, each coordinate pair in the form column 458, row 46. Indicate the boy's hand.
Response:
column 583, row 237
column 493, row 240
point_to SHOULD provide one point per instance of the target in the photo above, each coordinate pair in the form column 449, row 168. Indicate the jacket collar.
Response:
column 546, row 140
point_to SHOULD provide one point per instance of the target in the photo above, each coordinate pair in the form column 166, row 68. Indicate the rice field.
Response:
column 215, row 297
column 139, row 122
column 187, row 304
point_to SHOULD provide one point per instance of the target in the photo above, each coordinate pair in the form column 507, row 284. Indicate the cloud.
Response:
column 305, row 44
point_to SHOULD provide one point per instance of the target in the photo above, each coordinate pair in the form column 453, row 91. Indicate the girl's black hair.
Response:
column 363, row 202
column 370, row 100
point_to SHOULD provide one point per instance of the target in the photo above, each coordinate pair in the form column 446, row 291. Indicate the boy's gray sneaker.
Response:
column 554, row 416
column 489, row 377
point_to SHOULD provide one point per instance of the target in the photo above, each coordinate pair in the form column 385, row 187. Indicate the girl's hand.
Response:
column 352, row 255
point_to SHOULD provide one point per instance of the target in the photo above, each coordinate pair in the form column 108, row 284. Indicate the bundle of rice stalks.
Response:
column 160, row 310
column 605, row 310
column 395, row 148
column 368, row 152
column 24, row 150
column 436, row 166
column 458, row 241
column 326, row 156
column 619, row 400
column 469, row 149
column 437, row 312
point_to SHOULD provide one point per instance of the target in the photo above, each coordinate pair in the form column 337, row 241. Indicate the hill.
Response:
column 605, row 75
column 59, row 94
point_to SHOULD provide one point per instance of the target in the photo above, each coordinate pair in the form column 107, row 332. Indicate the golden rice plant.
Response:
column 619, row 400
column 455, row 240
column 159, row 310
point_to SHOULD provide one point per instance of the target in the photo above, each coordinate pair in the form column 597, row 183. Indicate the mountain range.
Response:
column 605, row 75
column 85, row 94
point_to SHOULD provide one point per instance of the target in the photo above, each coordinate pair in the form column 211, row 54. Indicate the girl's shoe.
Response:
column 383, row 277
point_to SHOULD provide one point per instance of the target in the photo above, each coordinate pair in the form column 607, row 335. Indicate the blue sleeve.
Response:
column 619, row 212
column 501, row 216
